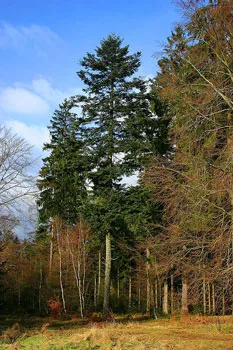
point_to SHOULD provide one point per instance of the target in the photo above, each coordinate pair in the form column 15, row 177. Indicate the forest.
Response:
column 135, row 194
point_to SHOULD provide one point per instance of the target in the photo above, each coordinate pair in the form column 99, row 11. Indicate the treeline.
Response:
column 166, row 243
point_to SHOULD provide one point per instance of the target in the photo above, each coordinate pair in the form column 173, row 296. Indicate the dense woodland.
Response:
column 162, row 245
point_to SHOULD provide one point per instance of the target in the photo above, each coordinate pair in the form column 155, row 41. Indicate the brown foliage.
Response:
column 55, row 307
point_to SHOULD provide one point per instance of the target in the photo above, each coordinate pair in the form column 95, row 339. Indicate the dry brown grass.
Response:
column 190, row 333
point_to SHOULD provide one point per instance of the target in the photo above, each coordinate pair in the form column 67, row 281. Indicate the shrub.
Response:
column 12, row 334
column 55, row 307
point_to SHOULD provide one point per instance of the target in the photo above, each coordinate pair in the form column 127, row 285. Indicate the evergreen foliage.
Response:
column 117, row 113
column 63, row 174
column 117, row 120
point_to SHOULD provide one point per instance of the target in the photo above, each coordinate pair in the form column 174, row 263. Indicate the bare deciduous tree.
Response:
column 15, row 159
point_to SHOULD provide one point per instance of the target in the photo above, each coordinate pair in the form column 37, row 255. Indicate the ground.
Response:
column 189, row 333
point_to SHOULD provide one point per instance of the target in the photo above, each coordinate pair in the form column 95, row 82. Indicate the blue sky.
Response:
column 42, row 41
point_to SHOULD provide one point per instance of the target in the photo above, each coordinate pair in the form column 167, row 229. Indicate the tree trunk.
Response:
column 83, row 254
column 160, row 294
column 76, row 275
column 40, row 285
column 106, row 308
column 165, row 297
column 147, row 280
column 118, row 286
column 213, row 300
column 172, row 294
column 152, row 299
column 130, row 292
column 156, row 293
column 51, row 250
column 60, row 267
column 95, row 292
column 223, row 303
column 79, row 285
column 204, row 295
column 139, row 295
column 184, row 300
column 209, row 298
column 99, row 277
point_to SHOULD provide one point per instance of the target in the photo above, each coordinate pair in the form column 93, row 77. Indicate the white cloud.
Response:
column 43, row 88
column 27, row 108
column 34, row 37
column 33, row 134
column 28, row 101
column 22, row 101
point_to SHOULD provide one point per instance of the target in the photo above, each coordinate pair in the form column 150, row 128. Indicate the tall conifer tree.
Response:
column 118, row 118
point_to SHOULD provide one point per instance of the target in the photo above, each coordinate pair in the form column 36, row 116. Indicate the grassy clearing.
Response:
column 191, row 333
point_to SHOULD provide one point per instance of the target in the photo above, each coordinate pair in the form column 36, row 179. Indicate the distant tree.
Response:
column 17, row 188
column 16, row 183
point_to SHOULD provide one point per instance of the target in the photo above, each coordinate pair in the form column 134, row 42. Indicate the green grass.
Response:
column 191, row 333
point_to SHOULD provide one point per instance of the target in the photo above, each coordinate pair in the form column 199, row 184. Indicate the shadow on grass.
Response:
column 30, row 322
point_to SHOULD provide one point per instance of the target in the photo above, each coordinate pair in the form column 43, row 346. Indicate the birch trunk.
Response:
column 156, row 293
column 184, row 300
column 165, row 297
column 204, row 295
column 60, row 267
column 209, row 298
column 213, row 299
column 172, row 294
column 106, row 308
column 77, row 276
column 83, row 254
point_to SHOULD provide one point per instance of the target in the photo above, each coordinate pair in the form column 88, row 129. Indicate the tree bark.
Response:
column 209, row 298
column 51, row 250
column 60, row 267
column 130, row 292
column 95, row 292
column 172, row 294
column 83, row 254
column 160, row 294
column 118, row 286
column 106, row 308
column 156, row 293
column 165, row 297
column 184, row 300
column 204, row 295
column 76, row 275
column 213, row 300
column 40, row 285
column 139, row 295
column 99, row 277
column 223, row 303
column 147, row 280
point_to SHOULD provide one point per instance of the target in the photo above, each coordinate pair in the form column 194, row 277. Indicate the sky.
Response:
column 42, row 42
